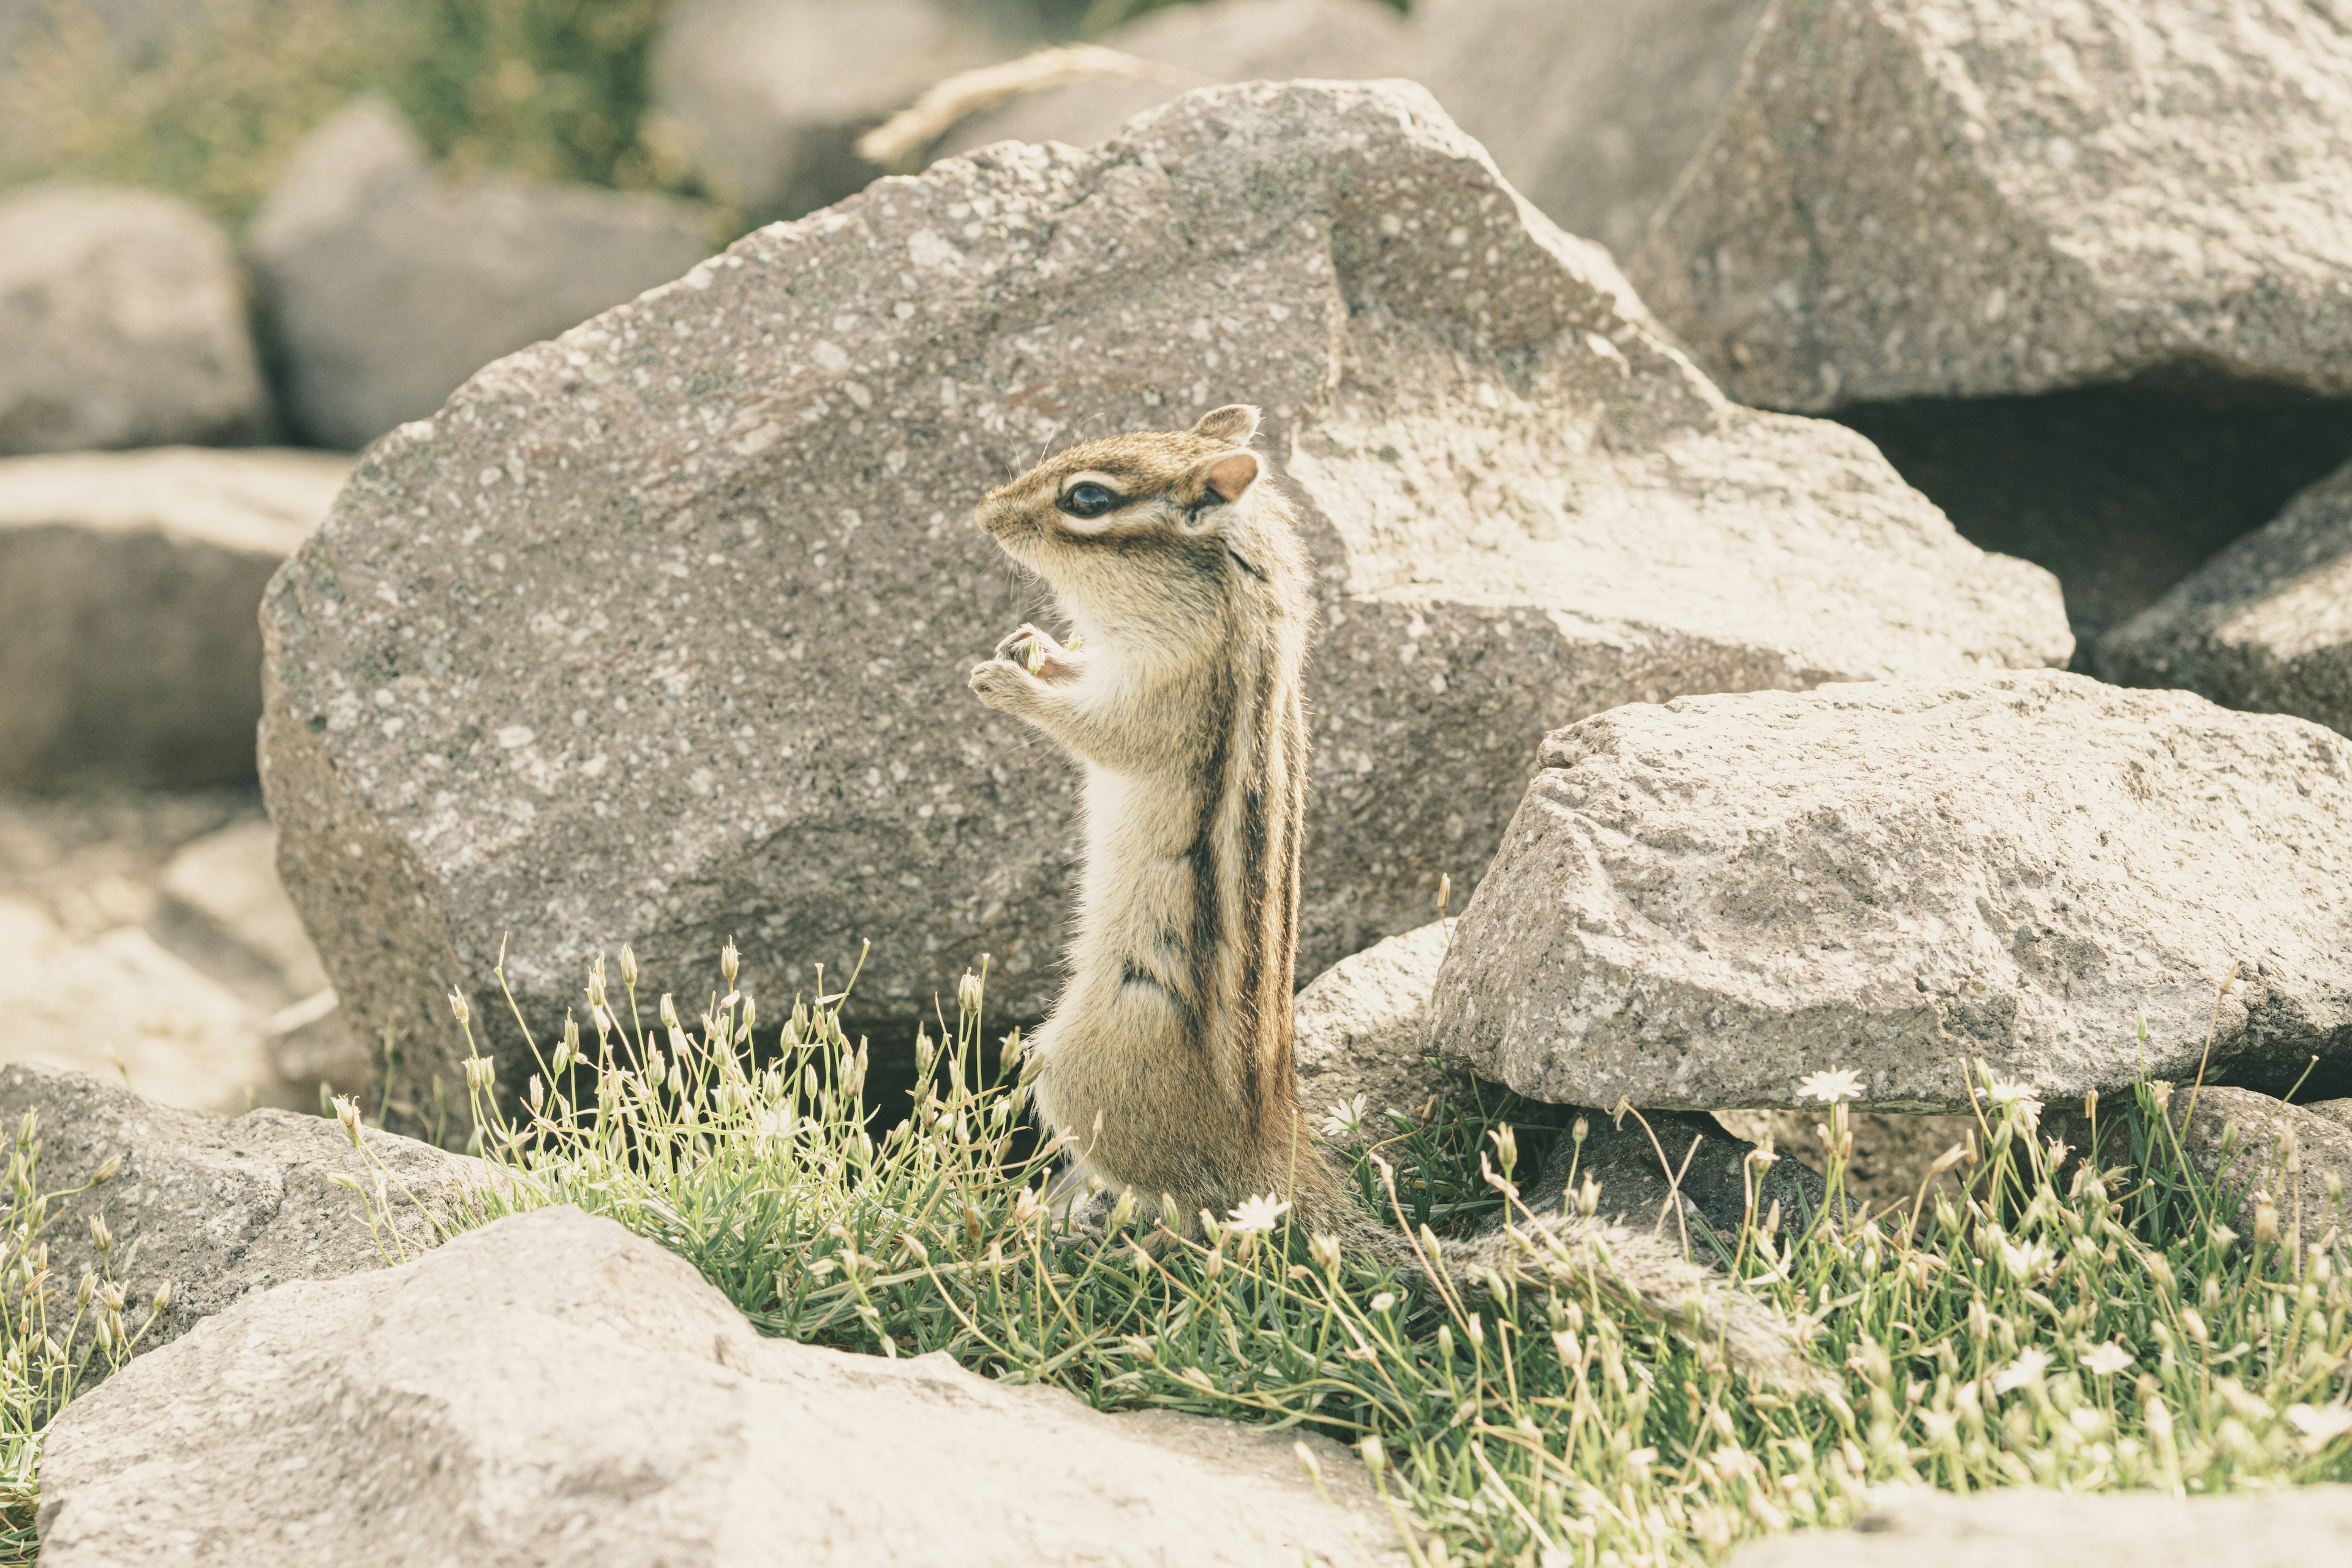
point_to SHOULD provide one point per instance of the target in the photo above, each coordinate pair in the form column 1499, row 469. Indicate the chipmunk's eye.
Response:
column 1088, row 500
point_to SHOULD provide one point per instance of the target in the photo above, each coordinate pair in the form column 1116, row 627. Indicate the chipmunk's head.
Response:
column 1154, row 516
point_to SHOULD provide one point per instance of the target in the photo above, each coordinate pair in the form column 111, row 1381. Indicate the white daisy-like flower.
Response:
column 2028, row 1368
column 1346, row 1118
column 2015, row 1099
column 2029, row 1262
column 771, row 1125
column 1383, row 1301
column 1257, row 1213
column 2106, row 1359
column 2319, row 1424
column 1832, row 1086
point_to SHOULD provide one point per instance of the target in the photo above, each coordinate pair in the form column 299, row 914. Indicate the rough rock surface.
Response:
column 129, row 581
column 1360, row 1027
column 122, row 324
column 2265, row 626
column 221, row 896
column 1222, row 41
column 1968, row 197
column 218, row 1206
column 606, row 1404
column 2022, row 1527
column 1892, row 1154
column 1591, row 111
column 1700, row 903
column 771, row 94
column 385, row 287
column 1675, row 1173
column 726, row 528
column 2242, row 1140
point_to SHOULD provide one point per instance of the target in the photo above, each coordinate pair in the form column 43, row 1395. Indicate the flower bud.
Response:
column 669, row 1011
column 457, row 1007
column 969, row 993
column 730, row 961
column 106, row 1171
column 628, row 967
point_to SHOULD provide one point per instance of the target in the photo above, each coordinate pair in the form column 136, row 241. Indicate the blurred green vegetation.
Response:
column 209, row 108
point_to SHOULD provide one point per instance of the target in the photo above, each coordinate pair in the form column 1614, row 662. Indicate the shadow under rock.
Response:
column 2120, row 490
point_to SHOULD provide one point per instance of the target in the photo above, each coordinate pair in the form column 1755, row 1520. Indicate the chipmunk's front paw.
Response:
column 1018, row 644
column 1004, row 685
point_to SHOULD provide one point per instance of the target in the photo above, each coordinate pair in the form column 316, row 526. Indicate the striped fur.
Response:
column 1167, row 1061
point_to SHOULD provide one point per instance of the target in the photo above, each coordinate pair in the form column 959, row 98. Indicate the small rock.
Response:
column 221, row 898
column 1893, row 1152
column 386, row 287
column 129, row 648
column 2266, row 625
column 605, row 1405
column 2239, row 1140
column 220, row 1207
column 122, row 324
column 1591, row 111
column 1523, row 505
column 1222, row 41
column 1361, row 1029
column 1987, row 197
column 2020, row 1527
column 1699, row 904
column 770, row 95
column 1666, row 1171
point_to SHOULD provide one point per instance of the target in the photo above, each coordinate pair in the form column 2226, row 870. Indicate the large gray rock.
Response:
column 129, row 649
column 1222, row 41
column 2022, row 1527
column 723, row 694
column 2265, row 626
column 770, row 95
column 385, row 287
column 122, row 324
column 605, row 1405
column 1592, row 107
column 1701, row 903
column 221, row 1207
column 1968, row 197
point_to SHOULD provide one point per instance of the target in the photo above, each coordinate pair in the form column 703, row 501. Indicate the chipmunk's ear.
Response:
column 1235, row 422
column 1229, row 476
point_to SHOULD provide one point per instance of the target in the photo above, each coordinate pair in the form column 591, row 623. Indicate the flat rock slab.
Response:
column 2266, row 625
column 2296, row 1527
column 130, row 652
column 725, row 530
column 122, row 324
column 386, row 286
column 1699, row 904
column 220, row 1207
column 1968, row 197
column 605, row 1405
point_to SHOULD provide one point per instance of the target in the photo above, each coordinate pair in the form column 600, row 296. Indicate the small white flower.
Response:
column 2027, row 1263
column 1257, row 1213
column 1384, row 1301
column 771, row 1125
column 2106, row 1359
column 1346, row 1119
column 1832, row 1086
column 2028, row 1368
column 2016, row 1099
column 2320, row 1425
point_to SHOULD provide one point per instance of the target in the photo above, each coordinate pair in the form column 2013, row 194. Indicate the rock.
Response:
column 129, row 651
column 2022, row 1527
column 2242, row 1141
column 1975, row 197
column 1524, row 507
column 1222, row 41
column 221, row 1207
column 1591, row 111
column 122, row 324
column 771, row 94
column 1650, row 1164
column 1360, row 1028
column 2265, row 626
column 221, row 898
column 1892, row 1157
column 385, row 287
column 606, row 1404
column 1700, row 903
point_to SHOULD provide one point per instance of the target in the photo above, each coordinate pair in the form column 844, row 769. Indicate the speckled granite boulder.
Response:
column 1701, row 903
column 660, row 631
column 1968, row 197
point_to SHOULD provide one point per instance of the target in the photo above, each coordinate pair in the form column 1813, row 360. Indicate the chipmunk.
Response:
column 1166, row 1064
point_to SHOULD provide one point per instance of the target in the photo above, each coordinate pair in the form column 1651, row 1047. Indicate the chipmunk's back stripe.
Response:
column 1202, row 862
column 1260, row 910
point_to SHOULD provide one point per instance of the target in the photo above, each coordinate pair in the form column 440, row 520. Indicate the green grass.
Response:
column 2103, row 1331
column 2090, row 1332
